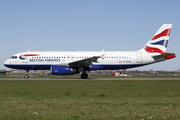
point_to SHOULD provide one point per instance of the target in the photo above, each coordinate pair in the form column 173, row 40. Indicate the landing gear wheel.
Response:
column 84, row 76
column 26, row 76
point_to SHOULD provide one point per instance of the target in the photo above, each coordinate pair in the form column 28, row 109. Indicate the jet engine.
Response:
column 62, row 70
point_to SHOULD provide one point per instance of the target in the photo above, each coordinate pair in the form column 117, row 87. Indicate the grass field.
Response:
column 141, row 100
column 90, row 76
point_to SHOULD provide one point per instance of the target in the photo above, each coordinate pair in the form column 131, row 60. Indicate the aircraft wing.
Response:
column 84, row 62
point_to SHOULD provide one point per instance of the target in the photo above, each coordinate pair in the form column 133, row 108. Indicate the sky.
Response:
column 87, row 25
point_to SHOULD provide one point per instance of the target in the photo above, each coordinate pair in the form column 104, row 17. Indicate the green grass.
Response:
column 90, row 76
column 83, row 100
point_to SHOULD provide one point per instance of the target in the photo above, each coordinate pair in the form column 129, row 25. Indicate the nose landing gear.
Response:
column 26, row 75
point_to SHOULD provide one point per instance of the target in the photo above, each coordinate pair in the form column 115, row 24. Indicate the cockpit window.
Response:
column 14, row 57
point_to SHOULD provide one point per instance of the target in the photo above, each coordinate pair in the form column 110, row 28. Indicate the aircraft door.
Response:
column 139, row 57
column 24, row 58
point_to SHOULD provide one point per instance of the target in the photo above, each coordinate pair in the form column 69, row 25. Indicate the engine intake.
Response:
column 62, row 70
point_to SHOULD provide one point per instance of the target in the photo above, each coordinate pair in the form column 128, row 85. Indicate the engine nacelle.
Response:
column 62, row 70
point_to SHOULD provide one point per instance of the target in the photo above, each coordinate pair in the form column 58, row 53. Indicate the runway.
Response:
column 36, row 79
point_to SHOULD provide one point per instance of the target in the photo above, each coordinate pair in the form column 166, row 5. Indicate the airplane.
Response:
column 75, row 62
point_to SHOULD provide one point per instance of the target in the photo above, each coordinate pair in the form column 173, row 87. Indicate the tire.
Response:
column 84, row 76
column 26, row 76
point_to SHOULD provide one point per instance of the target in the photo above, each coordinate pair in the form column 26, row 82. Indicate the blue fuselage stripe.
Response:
column 93, row 67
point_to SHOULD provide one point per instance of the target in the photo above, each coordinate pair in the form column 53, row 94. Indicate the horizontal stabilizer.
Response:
column 164, row 56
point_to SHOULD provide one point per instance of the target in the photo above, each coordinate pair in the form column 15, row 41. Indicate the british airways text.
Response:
column 44, row 60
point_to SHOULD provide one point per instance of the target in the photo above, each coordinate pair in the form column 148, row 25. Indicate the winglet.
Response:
column 102, row 55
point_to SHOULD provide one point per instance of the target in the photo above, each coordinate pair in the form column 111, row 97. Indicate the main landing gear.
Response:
column 26, row 75
column 84, row 76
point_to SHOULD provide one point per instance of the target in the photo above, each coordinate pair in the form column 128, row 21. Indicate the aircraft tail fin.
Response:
column 158, row 43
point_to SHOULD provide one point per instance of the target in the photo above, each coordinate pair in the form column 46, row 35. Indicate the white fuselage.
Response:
column 109, row 59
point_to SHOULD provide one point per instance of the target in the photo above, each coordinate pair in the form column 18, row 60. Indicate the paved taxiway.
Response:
column 90, row 79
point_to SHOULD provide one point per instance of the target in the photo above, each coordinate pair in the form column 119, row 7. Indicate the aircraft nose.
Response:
column 7, row 62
